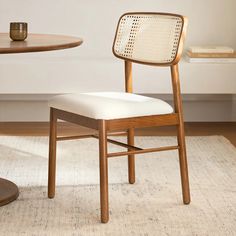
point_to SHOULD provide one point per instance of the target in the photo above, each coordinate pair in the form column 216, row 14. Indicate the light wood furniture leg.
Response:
column 180, row 135
column 183, row 164
column 52, row 154
column 130, row 132
column 155, row 113
column 131, row 158
column 103, row 172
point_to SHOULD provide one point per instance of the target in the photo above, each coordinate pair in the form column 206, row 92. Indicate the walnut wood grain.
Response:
column 226, row 129
column 130, row 132
column 103, row 166
column 52, row 154
column 129, row 124
column 37, row 43
column 147, row 150
column 8, row 192
column 76, row 119
column 141, row 122
column 180, row 134
column 180, row 43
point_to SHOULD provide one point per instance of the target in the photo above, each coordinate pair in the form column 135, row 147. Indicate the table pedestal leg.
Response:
column 8, row 192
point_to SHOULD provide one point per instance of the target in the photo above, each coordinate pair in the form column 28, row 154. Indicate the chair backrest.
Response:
column 150, row 38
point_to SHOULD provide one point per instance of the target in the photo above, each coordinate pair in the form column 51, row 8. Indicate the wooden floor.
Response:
column 227, row 129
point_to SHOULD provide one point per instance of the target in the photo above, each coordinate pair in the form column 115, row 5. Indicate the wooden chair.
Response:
column 148, row 38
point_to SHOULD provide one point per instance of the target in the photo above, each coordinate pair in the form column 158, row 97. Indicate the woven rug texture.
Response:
column 151, row 206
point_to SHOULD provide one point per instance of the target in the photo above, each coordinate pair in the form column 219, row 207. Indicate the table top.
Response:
column 37, row 43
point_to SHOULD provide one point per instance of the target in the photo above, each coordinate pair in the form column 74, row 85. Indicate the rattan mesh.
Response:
column 148, row 38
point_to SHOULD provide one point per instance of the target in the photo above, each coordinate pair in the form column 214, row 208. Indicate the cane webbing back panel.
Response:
column 148, row 37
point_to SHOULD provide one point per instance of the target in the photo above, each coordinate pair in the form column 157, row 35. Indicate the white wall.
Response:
column 92, row 66
column 210, row 21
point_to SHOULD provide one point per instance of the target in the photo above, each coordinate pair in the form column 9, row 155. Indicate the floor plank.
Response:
column 227, row 129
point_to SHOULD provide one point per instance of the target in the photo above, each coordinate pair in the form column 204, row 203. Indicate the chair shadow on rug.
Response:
column 154, row 39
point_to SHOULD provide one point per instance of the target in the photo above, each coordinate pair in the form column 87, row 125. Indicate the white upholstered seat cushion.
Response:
column 110, row 105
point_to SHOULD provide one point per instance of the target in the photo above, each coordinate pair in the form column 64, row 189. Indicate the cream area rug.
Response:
column 152, row 206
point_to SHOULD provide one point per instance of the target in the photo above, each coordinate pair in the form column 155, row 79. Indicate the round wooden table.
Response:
column 34, row 43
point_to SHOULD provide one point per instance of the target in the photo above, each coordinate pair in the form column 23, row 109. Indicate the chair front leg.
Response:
column 52, row 154
column 183, row 164
column 103, row 172
column 131, row 158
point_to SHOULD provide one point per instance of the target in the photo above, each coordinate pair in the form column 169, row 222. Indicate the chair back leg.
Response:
column 130, row 132
column 103, row 172
column 180, row 134
column 131, row 158
column 52, row 154
column 183, row 164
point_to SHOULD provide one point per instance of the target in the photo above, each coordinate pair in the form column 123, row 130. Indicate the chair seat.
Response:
column 110, row 105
